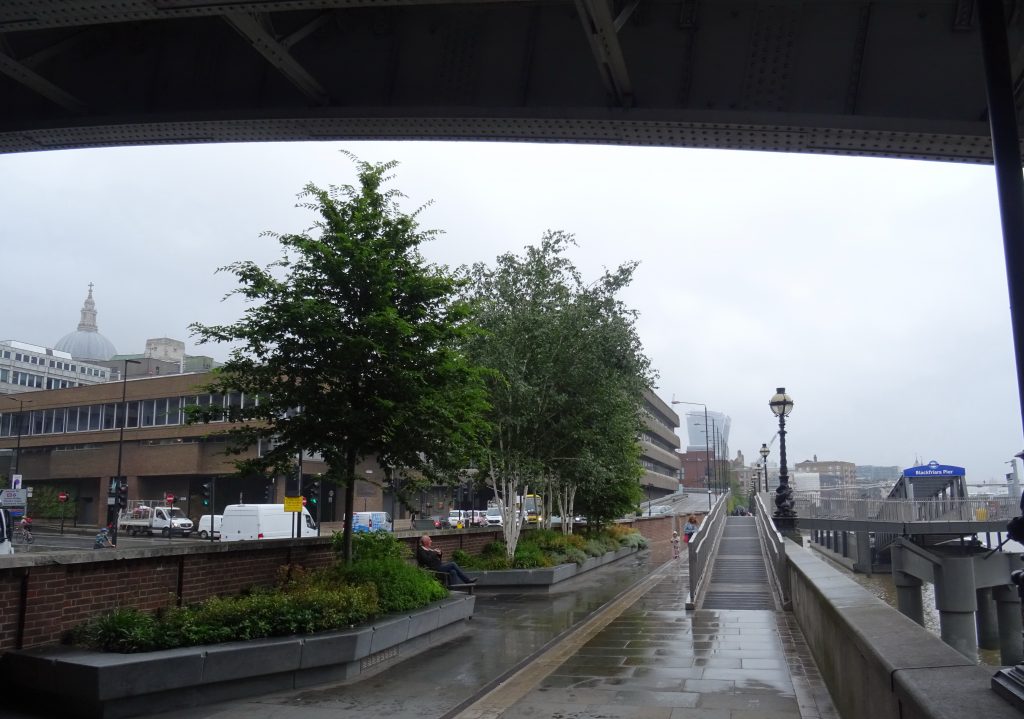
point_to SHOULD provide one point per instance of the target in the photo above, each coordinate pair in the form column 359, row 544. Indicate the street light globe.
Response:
column 781, row 403
column 764, row 451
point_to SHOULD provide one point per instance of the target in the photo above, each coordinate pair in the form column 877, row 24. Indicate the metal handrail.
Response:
column 702, row 547
column 775, row 548
column 821, row 505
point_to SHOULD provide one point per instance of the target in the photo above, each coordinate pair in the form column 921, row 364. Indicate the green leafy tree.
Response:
column 352, row 345
column 556, row 347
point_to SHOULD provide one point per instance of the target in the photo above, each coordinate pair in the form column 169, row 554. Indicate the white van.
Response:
column 209, row 523
column 262, row 521
column 371, row 522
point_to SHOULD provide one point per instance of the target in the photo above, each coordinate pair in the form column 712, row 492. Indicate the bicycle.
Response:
column 23, row 535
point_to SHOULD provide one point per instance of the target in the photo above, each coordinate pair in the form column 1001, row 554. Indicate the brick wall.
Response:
column 44, row 596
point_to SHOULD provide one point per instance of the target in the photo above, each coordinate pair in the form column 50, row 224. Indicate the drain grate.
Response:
column 737, row 600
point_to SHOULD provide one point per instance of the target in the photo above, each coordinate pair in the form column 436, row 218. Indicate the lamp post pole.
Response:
column 714, row 445
column 21, row 423
column 764, row 451
column 707, row 448
column 781, row 405
column 120, row 442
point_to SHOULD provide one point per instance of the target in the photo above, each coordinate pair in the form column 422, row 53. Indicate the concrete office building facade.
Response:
column 69, row 441
column 660, row 447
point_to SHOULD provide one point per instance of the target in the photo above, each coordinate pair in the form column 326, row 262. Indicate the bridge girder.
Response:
column 895, row 79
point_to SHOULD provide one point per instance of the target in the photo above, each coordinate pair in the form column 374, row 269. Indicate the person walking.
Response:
column 675, row 545
column 690, row 528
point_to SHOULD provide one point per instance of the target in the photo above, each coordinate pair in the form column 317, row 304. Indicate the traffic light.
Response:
column 314, row 492
column 122, row 491
column 206, row 490
column 268, row 493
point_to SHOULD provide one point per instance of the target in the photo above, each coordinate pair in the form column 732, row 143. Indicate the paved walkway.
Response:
column 646, row 657
column 615, row 643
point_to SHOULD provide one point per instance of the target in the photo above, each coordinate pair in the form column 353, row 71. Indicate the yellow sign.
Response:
column 293, row 504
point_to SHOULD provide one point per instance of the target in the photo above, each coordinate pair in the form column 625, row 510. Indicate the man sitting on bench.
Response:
column 430, row 558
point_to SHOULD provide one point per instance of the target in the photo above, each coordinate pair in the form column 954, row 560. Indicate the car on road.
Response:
column 493, row 518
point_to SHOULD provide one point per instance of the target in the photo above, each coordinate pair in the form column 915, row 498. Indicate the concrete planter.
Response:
column 546, row 577
column 76, row 682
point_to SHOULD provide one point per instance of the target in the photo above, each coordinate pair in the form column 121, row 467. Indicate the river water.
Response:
column 882, row 586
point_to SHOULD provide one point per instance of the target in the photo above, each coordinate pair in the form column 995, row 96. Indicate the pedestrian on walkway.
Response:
column 690, row 528
column 675, row 545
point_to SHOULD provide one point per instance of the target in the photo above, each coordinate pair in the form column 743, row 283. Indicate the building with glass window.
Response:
column 26, row 367
column 660, row 448
column 70, row 441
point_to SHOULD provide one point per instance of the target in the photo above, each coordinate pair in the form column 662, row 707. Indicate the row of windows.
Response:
column 26, row 379
column 56, row 364
column 657, row 416
column 90, row 418
column 658, row 468
column 657, row 441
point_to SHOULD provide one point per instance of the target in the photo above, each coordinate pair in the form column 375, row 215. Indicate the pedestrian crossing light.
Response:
column 206, row 491
column 268, row 493
column 122, row 491
column 314, row 492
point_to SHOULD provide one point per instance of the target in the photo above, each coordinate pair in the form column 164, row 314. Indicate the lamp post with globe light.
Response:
column 781, row 405
column 764, row 451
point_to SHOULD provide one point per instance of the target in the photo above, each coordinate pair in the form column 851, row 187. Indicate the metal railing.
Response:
column 774, row 548
column 820, row 505
column 702, row 547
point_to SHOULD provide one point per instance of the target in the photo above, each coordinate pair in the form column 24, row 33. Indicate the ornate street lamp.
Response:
column 764, row 463
column 782, row 404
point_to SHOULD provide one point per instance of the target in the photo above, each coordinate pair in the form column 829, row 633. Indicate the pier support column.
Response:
column 985, row 619
column 956, row 601
column 863, row 562
column 908, row 596
column 1007, row 601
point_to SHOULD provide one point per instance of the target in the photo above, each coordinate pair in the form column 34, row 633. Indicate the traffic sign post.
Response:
column 63, row 499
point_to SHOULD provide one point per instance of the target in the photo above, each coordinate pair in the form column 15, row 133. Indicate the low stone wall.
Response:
column 544, row 577
column 875, row 661
column 73, row 682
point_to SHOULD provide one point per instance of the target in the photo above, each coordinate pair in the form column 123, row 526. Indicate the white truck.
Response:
column 153, row 516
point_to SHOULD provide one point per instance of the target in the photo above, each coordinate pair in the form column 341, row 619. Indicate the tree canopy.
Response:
column 353, row 345
column 568, row 374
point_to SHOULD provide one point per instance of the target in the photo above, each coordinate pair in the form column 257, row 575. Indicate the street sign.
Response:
column 16, row 481
column 62, row 497
column 293, row 504
column 169, row 498
column 13, row 497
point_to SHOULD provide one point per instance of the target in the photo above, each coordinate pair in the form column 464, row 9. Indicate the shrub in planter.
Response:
column 634, row 540
column 263, row 613
column 530, row 556
column 594, row 548
column 400, row 586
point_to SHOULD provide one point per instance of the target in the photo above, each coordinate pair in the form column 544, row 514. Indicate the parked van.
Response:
column 262, row 521
column 209, row 523
column 371, row 522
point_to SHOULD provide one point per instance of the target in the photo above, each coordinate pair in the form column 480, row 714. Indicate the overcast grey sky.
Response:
column 873, row 290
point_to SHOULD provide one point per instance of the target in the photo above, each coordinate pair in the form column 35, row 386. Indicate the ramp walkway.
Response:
column 739, row 578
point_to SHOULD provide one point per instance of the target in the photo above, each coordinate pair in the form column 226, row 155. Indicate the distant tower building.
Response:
column 166, row 349
column 86, row 343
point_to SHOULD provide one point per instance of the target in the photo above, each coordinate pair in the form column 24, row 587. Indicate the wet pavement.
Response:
column 616, row 643
column 651, row 659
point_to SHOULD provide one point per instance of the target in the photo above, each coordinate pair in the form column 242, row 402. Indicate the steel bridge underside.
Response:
column 884, row 79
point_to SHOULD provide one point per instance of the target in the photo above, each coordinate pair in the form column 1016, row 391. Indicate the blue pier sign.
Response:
column 934, row 469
